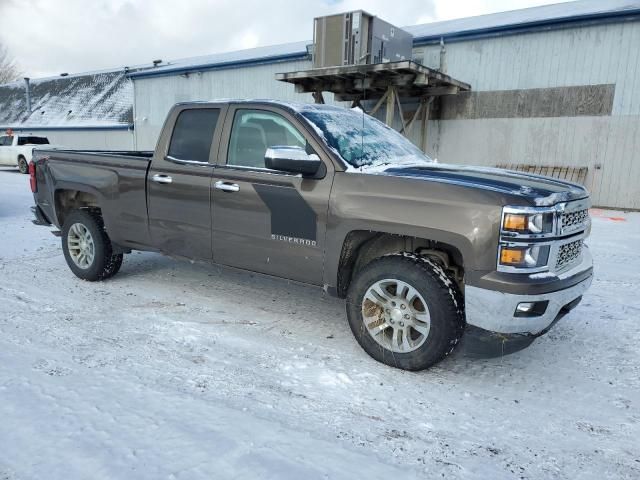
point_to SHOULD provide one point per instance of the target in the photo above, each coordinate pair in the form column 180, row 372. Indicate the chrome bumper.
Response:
column 494, row 311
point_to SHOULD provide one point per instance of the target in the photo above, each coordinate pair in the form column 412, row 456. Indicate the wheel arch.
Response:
column 360, row 247
column 68, row 199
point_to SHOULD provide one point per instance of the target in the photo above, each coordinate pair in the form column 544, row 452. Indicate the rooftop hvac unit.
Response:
column 357, row 37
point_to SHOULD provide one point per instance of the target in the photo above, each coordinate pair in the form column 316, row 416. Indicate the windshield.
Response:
column 363, row 142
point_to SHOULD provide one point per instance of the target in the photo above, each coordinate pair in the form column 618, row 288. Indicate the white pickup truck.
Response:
column 16, row 150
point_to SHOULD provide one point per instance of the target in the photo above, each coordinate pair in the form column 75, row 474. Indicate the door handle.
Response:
column 227, row 187
column 162, row 178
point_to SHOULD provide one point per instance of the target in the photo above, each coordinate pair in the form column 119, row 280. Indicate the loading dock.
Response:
column 390, row 84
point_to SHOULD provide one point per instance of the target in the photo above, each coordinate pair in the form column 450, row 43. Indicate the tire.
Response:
column 98, row 262
column 429, row 318
column 23, row 166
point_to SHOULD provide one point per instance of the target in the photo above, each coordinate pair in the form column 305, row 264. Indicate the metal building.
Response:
column 555, row 86
column 89, row 110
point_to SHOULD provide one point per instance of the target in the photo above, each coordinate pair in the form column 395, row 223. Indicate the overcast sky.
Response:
column 48, row 37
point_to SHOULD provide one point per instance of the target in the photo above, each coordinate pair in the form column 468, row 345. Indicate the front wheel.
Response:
column 405, row 311
column 23, row 166
column 87, row 248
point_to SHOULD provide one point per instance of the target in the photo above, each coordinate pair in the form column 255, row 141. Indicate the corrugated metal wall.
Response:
column 154, row 96
column 608, row 142
column 89, row 139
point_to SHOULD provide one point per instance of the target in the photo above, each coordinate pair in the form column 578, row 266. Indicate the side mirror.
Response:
column 292, row 160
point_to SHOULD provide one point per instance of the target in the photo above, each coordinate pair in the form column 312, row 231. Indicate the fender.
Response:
column 464, row 218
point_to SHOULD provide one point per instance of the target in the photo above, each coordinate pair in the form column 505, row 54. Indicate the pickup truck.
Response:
column 331, row 197
column 16, row 150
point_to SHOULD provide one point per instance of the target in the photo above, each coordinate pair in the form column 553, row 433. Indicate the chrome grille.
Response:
column 568, row 253
column 574, row 220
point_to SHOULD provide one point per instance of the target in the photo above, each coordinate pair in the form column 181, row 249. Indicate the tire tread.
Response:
column 441, row 286
column 109, row 264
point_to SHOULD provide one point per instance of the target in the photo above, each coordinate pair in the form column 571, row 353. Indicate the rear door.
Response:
column 264, row 220
column 5, row 150
column 179, row 182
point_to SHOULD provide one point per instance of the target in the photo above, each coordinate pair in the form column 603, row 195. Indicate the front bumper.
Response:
column 495, row 310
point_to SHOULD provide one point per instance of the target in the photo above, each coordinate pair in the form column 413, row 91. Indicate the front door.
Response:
column 264, row 220
column 179, row 184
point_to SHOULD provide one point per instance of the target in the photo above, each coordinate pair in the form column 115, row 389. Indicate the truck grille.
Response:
column 574, row 220
column 568, row 254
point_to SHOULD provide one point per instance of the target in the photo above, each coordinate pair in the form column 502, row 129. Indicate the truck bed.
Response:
column 119, row 153
column 101, row 157
column 116, row 179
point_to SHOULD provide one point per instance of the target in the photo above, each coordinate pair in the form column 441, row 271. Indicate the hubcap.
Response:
column 396, row 315
column 81, row 246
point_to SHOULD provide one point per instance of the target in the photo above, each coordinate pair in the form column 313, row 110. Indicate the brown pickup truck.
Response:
column 334, row 198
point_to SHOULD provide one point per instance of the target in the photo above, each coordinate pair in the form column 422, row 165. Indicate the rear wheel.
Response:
column 23, row 166
column 405, row 311
column 87, row 248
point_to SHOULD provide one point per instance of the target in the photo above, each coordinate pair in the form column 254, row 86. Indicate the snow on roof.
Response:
column 94, row 99
column 492, row 24
column 268, row 54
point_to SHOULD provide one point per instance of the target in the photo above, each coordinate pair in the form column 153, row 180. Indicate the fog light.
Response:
column 531, row 309
column 525, row 307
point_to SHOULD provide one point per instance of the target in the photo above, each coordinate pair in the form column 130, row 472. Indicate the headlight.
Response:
column 524, row 256
column 529, row 223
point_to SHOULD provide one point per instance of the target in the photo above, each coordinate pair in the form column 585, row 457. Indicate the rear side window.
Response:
column 6, row 141
column 193, row 134
column 33, row 141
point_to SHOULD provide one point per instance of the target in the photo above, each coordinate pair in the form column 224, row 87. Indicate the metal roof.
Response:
column 252, row 56
column 534, row 18
column 96, row 100
column 516, row 21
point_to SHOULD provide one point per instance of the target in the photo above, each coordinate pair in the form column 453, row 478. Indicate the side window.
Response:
column 32, row 141
column 254, row 131
column 193, row 134
column 5, row 141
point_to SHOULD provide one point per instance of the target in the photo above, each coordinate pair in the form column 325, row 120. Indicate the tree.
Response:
column 8, row 68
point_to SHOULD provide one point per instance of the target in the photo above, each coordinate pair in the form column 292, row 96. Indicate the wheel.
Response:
column 23, row 166
column 87, row 248
column 405, row 311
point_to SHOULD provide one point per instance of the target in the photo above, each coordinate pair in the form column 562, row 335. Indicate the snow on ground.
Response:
column 181, row 371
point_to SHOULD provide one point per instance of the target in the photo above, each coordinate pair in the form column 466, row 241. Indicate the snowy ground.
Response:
column 181, row 371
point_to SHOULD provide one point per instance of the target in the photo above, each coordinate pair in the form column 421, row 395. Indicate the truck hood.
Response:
column 537, row 189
